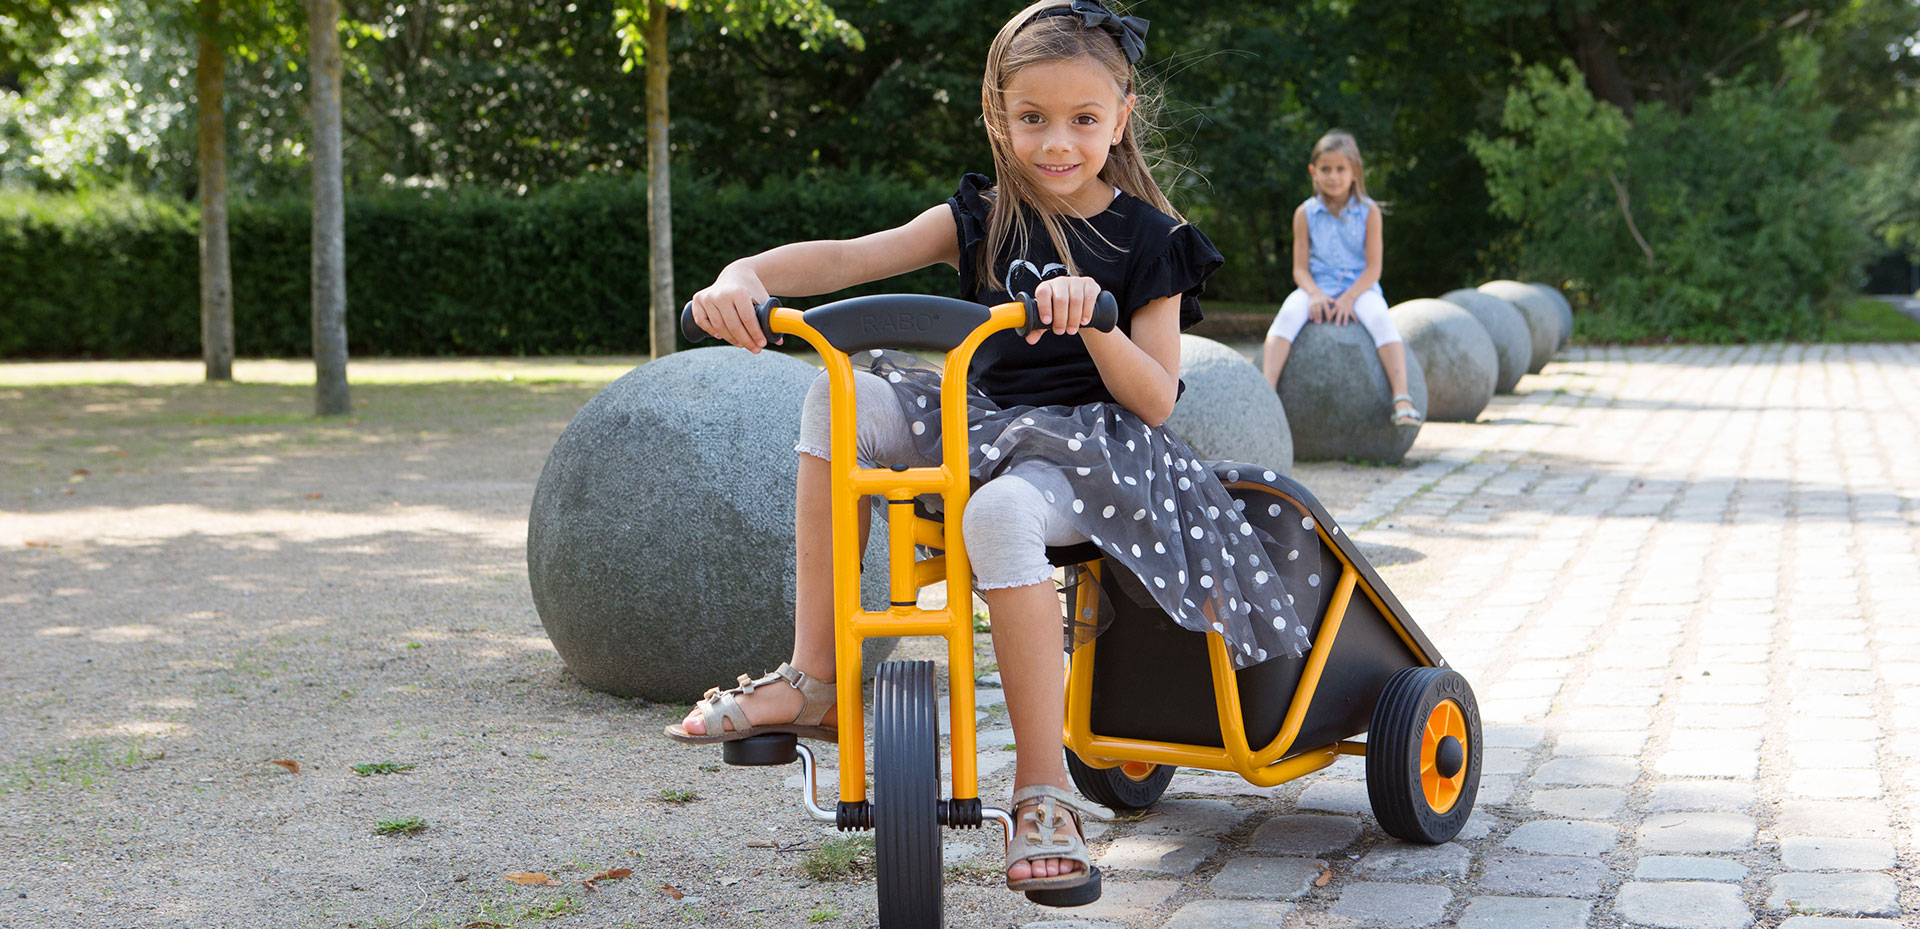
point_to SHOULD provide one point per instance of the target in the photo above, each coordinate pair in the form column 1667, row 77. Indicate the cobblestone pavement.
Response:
column 1683, row 584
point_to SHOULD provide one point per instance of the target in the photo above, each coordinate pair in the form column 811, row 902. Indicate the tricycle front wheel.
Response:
column 906, row 796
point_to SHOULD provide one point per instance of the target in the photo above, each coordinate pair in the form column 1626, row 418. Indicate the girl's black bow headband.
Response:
column 1129, row 31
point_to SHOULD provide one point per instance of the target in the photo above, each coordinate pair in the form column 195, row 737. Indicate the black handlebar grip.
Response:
column 763, row 313
column 1106, row 313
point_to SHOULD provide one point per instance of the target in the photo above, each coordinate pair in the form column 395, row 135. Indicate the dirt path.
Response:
column 198, row 581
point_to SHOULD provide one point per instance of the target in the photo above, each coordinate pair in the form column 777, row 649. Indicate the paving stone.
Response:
column 1505, row 760
column 1592, row 771
column 1393, row 905
column 1682, row 905
column 1836, row 854
column 1834, row 894
column 1857, row 818
column 1495, row 790
column 1563, row 837
column 1579, row 802
column 1267, row 878
column 1192, row 817
column 1122, row 899
column 1403, row 861
column 1166, row 854
column 1071, row 924
column 1709, row 763
column 1600, row 743
column 1834, row 922
column 1697, row 795
column 1479, row 825
column 1705, row 716
column 1696, row 832
column 1828, row 754
column 1675, row 868
column 1228, row 914
column 1833, row 783
column 1215, row 785
column 1524, row 913
column 1305, row 834
column 1336, row 797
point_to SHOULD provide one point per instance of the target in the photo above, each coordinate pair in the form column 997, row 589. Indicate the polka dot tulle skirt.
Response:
column 1237, row 564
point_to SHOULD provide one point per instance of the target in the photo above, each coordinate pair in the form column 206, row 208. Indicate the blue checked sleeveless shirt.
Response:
column 1337, row 244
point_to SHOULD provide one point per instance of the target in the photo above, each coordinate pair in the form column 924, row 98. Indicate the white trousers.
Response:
column 1371, row 308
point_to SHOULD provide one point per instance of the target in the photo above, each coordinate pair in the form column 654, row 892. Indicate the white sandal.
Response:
column 718, row 706
column 1409, row 417
column 1046, row 813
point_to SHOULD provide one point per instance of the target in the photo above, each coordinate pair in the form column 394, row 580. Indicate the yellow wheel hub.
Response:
column 1442, row 788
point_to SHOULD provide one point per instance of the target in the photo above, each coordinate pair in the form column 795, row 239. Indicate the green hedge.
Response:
column 560, row 272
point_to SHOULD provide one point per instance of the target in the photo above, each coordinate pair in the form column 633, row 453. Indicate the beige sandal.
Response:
column 717, row 706
column 1045, row 812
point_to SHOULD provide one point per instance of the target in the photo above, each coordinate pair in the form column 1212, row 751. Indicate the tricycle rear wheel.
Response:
column 1130, row 786
column 906, row 796
column 1423, row 755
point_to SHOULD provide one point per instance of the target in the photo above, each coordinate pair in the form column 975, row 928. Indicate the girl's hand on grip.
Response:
column 1064, row 304
column 726, row 310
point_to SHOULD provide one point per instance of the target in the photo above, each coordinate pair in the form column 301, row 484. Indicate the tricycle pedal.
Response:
column 1072, row 896
column 761, row 750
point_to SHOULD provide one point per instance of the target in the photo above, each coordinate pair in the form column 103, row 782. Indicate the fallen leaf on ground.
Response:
column 1325, row 876
column 315, row 495
column 532, row 878
column 613, row 874
column 759, row 843
column 589, row 885
column 479, row 924
column 671, row 891
column 33, row 544
column 293, row 766
column 81, row 472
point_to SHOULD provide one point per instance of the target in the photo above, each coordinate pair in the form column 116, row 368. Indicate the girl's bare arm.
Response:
column 1370, row 275
column 1142, row 372
column 1302, row 275
column 802, row 269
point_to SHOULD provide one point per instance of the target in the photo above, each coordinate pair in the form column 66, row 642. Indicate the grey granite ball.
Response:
column 1456, row 356
column 660, row 543
column 1560, row 304
column 1337, row 399
column 1228, row 413
column 1512, row 340
column 1543, row 320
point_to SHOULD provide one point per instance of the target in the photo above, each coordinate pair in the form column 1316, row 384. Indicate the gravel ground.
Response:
column 206, row 587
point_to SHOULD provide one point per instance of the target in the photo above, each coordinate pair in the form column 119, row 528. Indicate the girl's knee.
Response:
column 1292, row 316
column 1371, row 309
column 1006, row 529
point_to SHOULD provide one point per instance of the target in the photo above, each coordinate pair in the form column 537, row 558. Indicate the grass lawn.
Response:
column 1868, row 320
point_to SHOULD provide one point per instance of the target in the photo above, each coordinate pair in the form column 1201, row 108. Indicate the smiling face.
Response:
column 1332, row 175
column 1062, row 117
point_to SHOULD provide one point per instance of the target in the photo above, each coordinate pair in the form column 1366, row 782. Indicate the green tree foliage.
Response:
column 28, row 30
column 1891, row 200
column 1734, row 220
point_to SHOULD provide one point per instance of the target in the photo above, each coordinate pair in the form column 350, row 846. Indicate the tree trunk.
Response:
column 330, row 395
column 216, row 274
column 664, row 314
column 1593, row 53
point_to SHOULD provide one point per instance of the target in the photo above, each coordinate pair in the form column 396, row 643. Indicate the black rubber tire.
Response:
column 1394, row 742
column 1113, row 789
column 906, row 796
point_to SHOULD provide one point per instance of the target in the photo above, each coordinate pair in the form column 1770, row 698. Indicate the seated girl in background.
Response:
column 1336, row 250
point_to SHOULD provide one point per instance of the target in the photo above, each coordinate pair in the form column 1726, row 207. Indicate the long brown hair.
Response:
column 1022, row 43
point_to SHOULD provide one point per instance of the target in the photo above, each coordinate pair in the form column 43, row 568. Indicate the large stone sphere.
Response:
column 1228, row 413
column 1456, row 356
column 1512, row 340
column 660, row 544
column 1337, row 399
column 1543, row 319
column 1560, row 304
